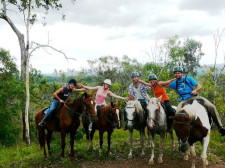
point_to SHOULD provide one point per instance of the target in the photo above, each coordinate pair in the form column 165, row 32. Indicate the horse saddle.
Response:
column 55, row 112
column 98, row 107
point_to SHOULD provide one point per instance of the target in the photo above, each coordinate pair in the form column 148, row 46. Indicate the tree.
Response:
column 27, row 7
column 11, row 90
column 186, row 54
column 217, row 38
column 192, row 56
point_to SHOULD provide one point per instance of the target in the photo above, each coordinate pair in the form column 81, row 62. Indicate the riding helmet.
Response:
column 108, row 81
column 178, row 69
column 133, row 74
column 152, row 77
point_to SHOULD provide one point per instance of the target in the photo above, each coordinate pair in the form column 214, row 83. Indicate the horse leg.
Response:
column 193, row 156
column 131, row 144
column 100, row 141
column 162, row 135
column 151, row 160
column 91, row 137
column 187, row 153
column 109, row 142
column 48, row 139
column 204, row 155
column 42, row 140
column 63, row 143
column 172, row 140
column 142, row 142
column 72, row 136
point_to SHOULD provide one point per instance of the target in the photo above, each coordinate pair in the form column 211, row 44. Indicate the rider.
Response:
column 60, row 96
column 184, row 87
column 158, row 90
column 102, row 92
column 137, row 91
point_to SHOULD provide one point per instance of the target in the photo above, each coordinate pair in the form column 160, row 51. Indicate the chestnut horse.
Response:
column 109, row 117
column 67, row 121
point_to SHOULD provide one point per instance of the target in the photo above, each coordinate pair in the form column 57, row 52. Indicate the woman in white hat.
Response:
column 102, row 92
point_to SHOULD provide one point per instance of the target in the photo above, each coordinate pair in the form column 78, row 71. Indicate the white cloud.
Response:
column 95, row 28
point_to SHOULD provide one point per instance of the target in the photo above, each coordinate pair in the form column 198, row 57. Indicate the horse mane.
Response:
column 138, row 107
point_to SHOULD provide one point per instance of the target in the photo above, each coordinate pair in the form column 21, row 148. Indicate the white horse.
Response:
column 157, row 124
column 136, row 120
column 192, row 124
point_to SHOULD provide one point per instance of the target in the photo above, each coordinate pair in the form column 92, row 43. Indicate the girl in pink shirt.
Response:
column 102, row 92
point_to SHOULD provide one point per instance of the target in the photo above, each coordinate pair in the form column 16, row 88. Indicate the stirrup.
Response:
column 222, row 131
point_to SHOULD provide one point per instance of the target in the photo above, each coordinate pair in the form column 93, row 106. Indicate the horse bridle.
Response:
column 111, row 113
column 84, row 110
column 181, row 122
column 150, row 118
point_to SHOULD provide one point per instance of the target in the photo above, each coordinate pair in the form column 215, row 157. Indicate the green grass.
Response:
column 23, row 156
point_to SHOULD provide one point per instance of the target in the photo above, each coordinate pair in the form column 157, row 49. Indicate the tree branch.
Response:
column 12, row 25
column 48, row 46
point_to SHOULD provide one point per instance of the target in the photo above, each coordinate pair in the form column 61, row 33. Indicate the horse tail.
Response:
column 41, row 131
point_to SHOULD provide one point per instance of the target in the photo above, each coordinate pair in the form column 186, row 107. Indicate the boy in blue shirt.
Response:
column 184, row 87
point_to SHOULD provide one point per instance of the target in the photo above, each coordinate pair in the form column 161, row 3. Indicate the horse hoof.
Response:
column 186, row 158
column 129, row 156
column 151, row 162
column 160, row 161
column 142, row 154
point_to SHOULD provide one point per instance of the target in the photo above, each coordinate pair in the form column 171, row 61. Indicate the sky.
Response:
column 95, row 28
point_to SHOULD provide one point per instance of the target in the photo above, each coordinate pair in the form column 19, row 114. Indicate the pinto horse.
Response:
column 157, row 124
column 109, row 117
column 67, row 121
column 136, row 120
column 191, row 125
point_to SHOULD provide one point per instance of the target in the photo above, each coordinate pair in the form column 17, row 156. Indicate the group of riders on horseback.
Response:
column 186, row 87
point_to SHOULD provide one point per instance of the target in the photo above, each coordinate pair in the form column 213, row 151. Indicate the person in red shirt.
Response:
column 158, row 90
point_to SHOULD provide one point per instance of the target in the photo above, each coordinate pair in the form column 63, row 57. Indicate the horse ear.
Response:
column 159, row 99
column 112, row 105
column 92, row 93
column 85, row 95
column 118, row 103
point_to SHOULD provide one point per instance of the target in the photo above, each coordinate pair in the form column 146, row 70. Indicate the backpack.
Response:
column 177, row 84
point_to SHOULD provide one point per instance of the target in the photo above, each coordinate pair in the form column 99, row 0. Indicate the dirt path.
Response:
column 142, row 162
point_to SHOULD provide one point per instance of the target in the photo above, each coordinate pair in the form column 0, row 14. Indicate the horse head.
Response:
column 116, row 111
column 89, row 105
column 153, row 107
column 182, row 127
column 132, row 109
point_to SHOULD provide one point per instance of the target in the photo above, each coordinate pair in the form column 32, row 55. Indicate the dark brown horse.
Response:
column 109, row 117
column 67, row 121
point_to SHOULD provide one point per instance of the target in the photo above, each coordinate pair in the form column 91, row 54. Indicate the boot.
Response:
column 169, row 124
column 125, row 128
column 222, row 131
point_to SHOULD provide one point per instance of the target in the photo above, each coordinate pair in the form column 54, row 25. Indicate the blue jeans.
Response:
column 52, row 107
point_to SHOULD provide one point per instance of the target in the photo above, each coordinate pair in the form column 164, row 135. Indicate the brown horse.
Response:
column 67, row 121
column 109, row 117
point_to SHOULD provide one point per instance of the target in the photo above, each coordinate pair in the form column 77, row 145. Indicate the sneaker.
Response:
column 222, row 131
column 42, row 124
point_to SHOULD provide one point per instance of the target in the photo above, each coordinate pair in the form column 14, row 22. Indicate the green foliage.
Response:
column 10, row 105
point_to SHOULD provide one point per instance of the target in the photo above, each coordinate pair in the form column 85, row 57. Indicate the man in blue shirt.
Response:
column 184, row 87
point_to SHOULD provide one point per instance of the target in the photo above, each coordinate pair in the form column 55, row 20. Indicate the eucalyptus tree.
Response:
column 27, row 8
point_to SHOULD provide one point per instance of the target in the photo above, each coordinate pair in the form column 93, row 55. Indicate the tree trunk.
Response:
column 26, row 119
